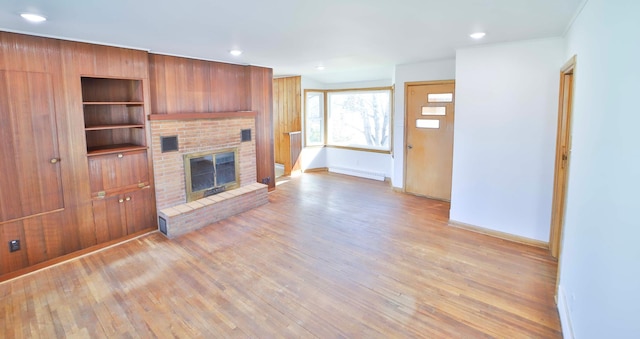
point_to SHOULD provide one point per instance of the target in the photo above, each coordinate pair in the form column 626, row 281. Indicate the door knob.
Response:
column 54, row 160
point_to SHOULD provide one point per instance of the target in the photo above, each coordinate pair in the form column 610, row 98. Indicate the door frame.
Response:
column 558, row 206
column 406, row 120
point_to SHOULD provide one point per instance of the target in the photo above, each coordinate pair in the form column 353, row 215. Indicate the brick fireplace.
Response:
column 199, row 134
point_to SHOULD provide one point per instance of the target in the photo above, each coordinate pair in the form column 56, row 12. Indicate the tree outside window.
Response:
column 359, row 119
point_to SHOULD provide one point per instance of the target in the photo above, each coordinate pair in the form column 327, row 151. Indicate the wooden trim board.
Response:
column 500, row 235
column 202, row 115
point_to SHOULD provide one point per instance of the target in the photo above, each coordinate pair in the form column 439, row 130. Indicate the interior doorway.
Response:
column 429, row 120
column 563, row 155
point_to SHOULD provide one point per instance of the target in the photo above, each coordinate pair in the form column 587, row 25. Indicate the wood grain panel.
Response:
column 296, row 149
column 110, row 172
column 140, row 212
column 31, row 184
column 181, row 85
column 229, row 87
column 261, row 84
column 286, row 117
column 299, row 267
column 110, row 218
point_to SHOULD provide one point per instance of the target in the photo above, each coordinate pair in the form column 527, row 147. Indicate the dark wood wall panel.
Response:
column 261, row 84
column 286, row 117
column 181, row 85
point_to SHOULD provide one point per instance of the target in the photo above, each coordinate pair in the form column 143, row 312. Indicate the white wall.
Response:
column 504, row 136
column 600, row 268
column 424, row 71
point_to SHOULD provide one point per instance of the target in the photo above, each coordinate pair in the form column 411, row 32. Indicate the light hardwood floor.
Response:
column 330, row 256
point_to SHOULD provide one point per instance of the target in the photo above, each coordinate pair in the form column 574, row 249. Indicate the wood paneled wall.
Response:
column 181, row 85
column 260, row 80
column 286, row 117
column 171, row 85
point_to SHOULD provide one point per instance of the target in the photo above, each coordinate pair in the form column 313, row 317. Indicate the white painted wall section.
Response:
column 504, row 136
column 600, row 269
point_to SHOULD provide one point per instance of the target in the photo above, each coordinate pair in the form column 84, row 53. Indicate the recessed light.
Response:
column 235, row 52
column 33, row 17
column 320, row 68
column 478, row 35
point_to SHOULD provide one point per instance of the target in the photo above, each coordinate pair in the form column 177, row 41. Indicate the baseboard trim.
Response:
column 318, row 169
column 563, row 311
column 500, row 235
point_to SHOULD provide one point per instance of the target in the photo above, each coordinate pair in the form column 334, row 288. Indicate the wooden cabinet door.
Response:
column 123, row 214
column 118, row 171
column 109, row 218
column 140, row 210
column 30, row 166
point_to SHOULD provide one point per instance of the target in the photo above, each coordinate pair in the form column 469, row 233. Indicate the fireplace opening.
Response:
column 208, row 173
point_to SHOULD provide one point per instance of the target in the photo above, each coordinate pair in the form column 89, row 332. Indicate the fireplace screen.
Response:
column 208, row 173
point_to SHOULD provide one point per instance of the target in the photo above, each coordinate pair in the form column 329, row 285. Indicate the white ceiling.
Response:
column 356, row 40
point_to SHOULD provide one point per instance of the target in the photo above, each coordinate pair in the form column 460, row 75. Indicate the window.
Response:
column 314, row 126
column 353, row 118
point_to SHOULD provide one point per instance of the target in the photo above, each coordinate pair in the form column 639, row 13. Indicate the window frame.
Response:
column 325, row 115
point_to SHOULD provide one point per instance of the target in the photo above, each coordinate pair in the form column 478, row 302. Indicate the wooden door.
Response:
column 30, row 169
column 109, row 218
column 140, row 211
column 563, row 151
column 429, row 139
column 118, row 172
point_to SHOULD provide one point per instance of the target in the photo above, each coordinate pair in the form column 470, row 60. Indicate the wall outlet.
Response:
column 14, row 245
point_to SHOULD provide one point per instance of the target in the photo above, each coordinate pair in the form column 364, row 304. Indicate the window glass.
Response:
column 432, row 110
column 440, row 97
column 427, row 123
column 359, row 119
column 314, row 124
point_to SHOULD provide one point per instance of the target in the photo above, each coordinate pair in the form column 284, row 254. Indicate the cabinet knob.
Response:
column 128, row 198
column 120, row 200
column 54, row 160
column 120, row 155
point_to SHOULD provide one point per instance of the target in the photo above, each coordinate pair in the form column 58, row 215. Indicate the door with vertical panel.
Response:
column 563, row 151
column 429, row 133
column 30, row 180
